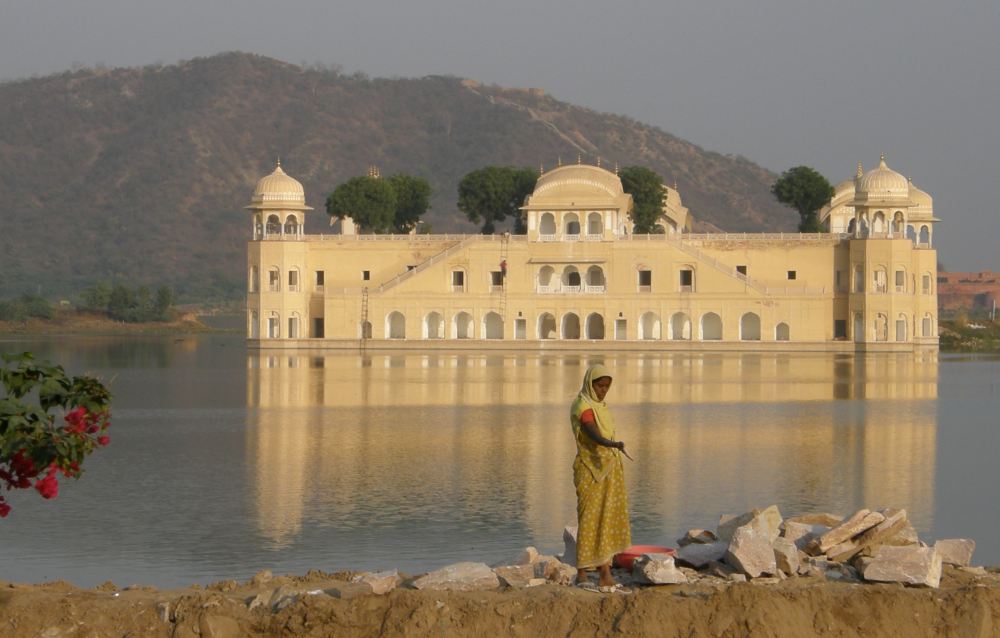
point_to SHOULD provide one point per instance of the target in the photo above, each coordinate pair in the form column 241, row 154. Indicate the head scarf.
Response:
column 602, row 414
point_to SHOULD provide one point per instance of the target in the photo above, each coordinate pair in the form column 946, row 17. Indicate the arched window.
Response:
column 649, row 326
column 463, row 327
column 545, row 279
column 898, row 223
column 546, row 326
column 926, row 283
column 595, row 326
column 925, row 235
column 881, row 327
column 293, row 326
column 879, row 279
column 571, row 279
column 291, row 225
column 927, row 325
column 254, row 283
column 395, row 325
column 595, row 225
column 433, row 326
column 571, row 224
column 570, row 326
column 274, row 326
column 273, row 279
column 750, row 327
column 680, row 327
column 711, row 327
column 782, row 332
column 901, row 327
column 595, row 277
column 852, row 226
column 547, row 226
column 911, row 234
column 253, row 325
column 273, row 225
column 293, row 280
column 878, row 222
column 493, row 326
column 863, row 225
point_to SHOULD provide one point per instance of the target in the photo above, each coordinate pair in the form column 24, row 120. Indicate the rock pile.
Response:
column 879, row 545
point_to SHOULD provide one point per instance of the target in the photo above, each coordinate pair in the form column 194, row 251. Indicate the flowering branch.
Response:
column 36, row 445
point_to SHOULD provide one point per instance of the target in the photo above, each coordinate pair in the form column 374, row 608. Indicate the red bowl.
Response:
column 626, row 558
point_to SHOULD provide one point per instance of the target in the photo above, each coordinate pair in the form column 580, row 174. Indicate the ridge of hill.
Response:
column 139, row 175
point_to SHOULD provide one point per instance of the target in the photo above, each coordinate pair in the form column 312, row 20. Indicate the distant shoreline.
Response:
column 80, row 323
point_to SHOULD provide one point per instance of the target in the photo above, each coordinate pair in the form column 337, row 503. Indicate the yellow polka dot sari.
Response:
column 601, row 502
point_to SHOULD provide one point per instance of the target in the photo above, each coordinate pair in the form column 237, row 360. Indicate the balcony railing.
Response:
column 559, row 289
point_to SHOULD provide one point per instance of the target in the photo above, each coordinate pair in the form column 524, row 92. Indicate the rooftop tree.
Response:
column 646, row 189
column 805, row 190
column 493, row 194
column 369, row 201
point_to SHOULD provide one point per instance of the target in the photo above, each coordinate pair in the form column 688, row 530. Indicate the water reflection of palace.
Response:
column 345, row 439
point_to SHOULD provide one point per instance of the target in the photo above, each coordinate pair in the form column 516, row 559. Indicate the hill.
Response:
column 139, row 175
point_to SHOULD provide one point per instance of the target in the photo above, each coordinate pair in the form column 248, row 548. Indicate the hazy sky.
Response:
column 782, row 82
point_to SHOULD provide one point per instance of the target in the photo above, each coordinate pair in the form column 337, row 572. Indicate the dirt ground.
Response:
column 966, row 605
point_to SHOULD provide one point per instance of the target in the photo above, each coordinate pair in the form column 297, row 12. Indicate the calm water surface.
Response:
column 224, row 462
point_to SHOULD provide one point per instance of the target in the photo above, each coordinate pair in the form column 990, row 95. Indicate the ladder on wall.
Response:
column 364, row 315
column 504, row 251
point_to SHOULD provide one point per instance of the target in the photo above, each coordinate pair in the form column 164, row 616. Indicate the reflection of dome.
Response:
column 278, row 190
column 580, row 177
column 882, row 183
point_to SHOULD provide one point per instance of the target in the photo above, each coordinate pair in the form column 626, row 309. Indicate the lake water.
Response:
column 226, row 461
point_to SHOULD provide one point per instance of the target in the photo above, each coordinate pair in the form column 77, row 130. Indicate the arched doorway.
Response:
column 570, row 326
column 546, row 326
column 711, row 327
column 434, row 326
column 395, row 325
column 750, row 327
column 493, row 326
column 595, row 326
column 547, row 225
column 595, row 225
column 571, row 224
column 680, row 327
column 649, row 326
column 463, row 326
column 782, row 332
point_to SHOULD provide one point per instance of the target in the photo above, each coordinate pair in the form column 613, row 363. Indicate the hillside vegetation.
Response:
column 140, row 175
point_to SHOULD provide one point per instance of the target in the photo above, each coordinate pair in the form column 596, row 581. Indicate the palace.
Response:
column 581, row 279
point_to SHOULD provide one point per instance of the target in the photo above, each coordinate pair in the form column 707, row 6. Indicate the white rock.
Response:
column 698, row 555
column 527, row 557
column 697, row 536
column 802, row 533
column 860, row 521
column 750, row 552
column 465, row 576
column 910, row 565
column 569, row 539
column 729, row 523
column 554, row 570
column 380, row 582
column 657, row 569
column 956, row 551
column 786, row 556
column 515, row 576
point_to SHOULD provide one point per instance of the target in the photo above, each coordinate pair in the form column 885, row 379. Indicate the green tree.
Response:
column 120, row 302
column 646, row 189
column 413, row 198
column 493, row 194
column 96, row 297
column 36, row 306
column 369, row 201
column 164, row 301
column 805, row 190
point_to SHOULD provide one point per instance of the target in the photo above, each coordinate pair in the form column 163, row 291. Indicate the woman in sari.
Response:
column 601, row 505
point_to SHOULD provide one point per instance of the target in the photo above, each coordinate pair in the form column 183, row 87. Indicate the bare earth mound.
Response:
column 966, row 604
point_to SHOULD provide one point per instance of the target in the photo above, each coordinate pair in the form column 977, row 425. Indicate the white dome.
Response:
column 882, row 183
column 279, row 190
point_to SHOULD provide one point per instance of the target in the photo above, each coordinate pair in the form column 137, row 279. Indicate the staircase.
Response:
column 718, row 265
column 451, row 250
